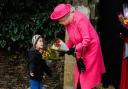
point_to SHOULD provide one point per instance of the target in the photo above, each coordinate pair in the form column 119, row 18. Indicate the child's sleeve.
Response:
column 47, row 70
column 31, row 65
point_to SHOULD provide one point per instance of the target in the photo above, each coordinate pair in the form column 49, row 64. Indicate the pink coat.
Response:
column 83, row 35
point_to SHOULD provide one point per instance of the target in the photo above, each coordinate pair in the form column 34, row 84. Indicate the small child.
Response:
column 36, row 63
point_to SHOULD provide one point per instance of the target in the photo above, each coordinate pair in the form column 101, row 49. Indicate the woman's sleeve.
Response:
column 69, row 43
column 83, row 28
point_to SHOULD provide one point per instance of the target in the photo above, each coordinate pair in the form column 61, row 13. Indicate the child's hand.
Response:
column 31, row 74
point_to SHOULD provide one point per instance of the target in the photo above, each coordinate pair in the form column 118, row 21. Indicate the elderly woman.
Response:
column 83, row 36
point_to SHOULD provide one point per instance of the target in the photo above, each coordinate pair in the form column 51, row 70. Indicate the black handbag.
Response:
column 80, row 64
column 81, row 68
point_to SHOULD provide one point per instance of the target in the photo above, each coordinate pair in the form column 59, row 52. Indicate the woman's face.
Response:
column 40, row 43
column 64, row 20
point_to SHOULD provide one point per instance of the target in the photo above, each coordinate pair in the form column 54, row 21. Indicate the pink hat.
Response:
column 60, row 11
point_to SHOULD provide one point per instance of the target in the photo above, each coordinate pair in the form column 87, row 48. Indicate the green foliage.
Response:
column 20, row 20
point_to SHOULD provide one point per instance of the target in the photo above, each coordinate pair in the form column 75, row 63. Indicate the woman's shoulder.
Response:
column 78, row 16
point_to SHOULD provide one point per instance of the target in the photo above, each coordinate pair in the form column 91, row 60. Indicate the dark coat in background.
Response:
column 124, row 68
column 109, row 29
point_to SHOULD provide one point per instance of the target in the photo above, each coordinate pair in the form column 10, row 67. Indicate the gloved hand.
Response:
column 81, row 66
column 71, row 51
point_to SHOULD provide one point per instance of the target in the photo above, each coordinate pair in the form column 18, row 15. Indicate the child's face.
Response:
column 39, row 44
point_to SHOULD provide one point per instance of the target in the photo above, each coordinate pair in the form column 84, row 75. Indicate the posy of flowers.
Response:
column 49, row 54
column 44, row 53
column 57, row 43
column 51, row 51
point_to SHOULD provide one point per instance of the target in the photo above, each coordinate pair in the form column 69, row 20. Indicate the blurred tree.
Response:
column 21, row 19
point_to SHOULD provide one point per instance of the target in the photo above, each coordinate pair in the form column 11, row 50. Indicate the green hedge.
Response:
column 21, row 19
